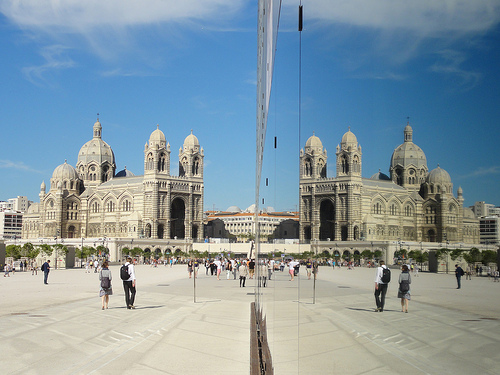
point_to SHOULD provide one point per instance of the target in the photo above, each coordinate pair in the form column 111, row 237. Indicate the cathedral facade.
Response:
column 93, row 200
column 412, row 204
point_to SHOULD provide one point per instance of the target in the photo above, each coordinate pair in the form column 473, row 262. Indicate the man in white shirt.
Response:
column 129, row 285
column 380, row 287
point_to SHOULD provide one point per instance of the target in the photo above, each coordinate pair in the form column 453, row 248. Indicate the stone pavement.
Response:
column 60, row 328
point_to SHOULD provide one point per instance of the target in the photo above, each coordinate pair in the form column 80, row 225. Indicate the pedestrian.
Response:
column 6, row 270
column 291, row 268
column 309, row 266
column 404, row 288
column 128, row 283
column 46, row 269
column 190, row 267
column 218, row 265
column 459, row 272
column 315, row 269
column 251, row 268
column 106, row 289
column 382, row 279
column 229, row 268
column 243, row 270
column 495, row 275
column 34, row 269
column 468, row 272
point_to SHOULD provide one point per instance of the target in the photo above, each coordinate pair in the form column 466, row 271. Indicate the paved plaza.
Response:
column 60, row 328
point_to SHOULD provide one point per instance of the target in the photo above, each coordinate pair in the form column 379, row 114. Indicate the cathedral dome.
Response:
column 438, row 176
column 65, row 172
column 157, row 136
column 125, row 173
column 314, row 142
column 96, row 150
column 234, row 209
column 380, row 176
column 408, row 153
column 349, row 138
column 191, row 142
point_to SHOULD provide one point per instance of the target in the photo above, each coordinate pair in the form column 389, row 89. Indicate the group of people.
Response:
column 127, row 274
column 382, row 280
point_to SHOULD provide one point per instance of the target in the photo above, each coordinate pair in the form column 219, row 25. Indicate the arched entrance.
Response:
column 71, row 231
column 431, row 235
column 327, row 218
column 307, row 233
column 147, row 231
column 346, row 255
column 158, row 254
column 177, row 215
column 194, row 233
column 160, row 231
column 344, row 233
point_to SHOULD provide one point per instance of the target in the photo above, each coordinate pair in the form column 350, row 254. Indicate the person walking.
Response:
column 190, row 267
column 243, row 271
column 382, row 279
column 129, row 283
column 459, row 272
column 309, row 266
column 106, row 289
column 46, row 269
column 404, row 288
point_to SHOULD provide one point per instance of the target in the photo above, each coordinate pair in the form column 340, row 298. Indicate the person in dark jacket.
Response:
column 46, row 269
column 459, row 272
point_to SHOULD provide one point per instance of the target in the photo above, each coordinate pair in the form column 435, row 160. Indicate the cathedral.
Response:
column 412, row 204
column 93, row 200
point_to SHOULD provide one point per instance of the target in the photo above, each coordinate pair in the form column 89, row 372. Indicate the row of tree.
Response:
column 30, row 251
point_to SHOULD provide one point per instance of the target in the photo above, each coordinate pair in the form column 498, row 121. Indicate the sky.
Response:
column 191, row 65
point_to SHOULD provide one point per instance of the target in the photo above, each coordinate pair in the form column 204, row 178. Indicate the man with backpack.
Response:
column 382, row 279
column 127, row 274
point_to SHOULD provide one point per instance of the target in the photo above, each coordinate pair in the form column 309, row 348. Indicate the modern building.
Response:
column 241, row 224
column 482, row 209
column 489, row 230
column 19, row 203
column 92, row 200
column 11, row 224
column 413, row 204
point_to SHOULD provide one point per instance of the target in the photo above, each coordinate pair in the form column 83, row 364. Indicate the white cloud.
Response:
column 18, row 165
column 82, row 16
column 54, row 60
column 423, row 17
column 450, row 63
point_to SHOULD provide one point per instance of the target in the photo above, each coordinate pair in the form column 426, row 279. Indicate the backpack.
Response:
column 386, row 275
column 124, row 275
column 404, row 286
column 105, row 282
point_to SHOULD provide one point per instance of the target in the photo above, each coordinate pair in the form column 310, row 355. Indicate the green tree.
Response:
column 455, row 254
column 472, row 256
column 136, row 251
column 489, row 256
column 46, row 249
column 13, row 251
column 377, row 254
column 367, row 254
column 29, row 251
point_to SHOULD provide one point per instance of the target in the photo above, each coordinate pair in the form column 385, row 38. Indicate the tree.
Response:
column 13, row 251
column 377, row 254
column 46, row 249
column 367, row 254
column 489, row 256
column 473, row 256
column 136, row 251
column 29, row 251
column 455, row 254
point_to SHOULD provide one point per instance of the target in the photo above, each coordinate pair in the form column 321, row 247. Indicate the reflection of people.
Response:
column 46, row 269
column 106, row 289
column 380, row 287
column 129, row 285
column 404, row 288
column 459, row 272
column 243, row 270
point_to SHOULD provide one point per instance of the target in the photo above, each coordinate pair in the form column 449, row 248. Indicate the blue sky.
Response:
column 192, row 65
